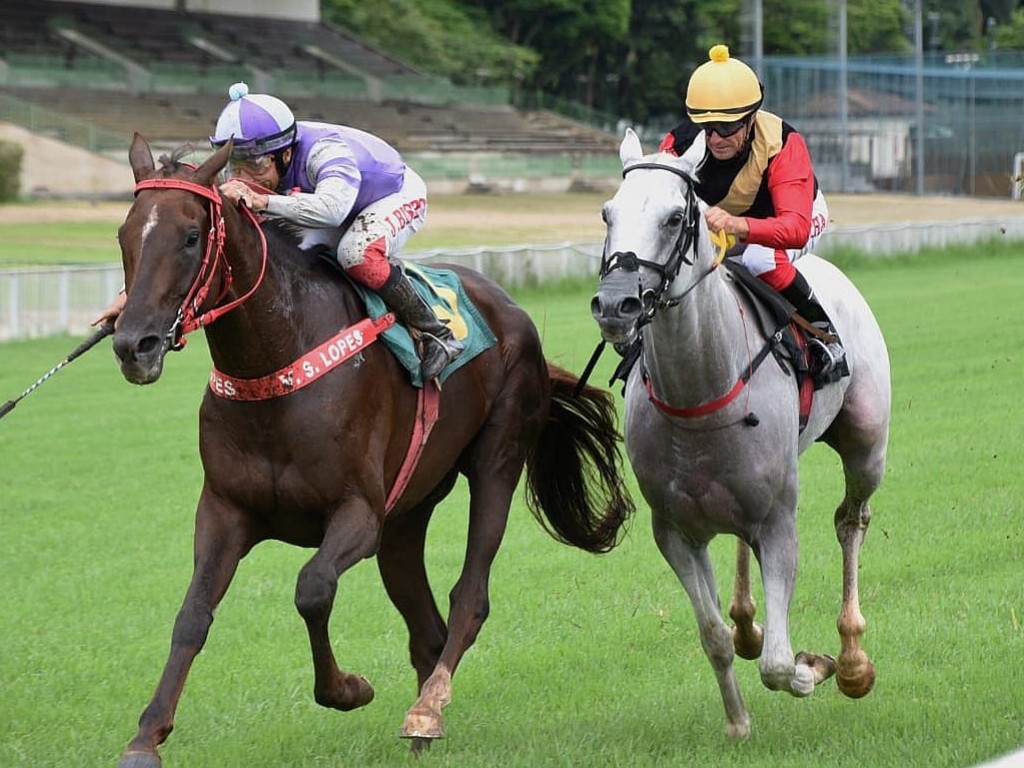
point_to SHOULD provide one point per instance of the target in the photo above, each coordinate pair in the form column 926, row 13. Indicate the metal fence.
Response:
column 970, row 107
column 46, row 302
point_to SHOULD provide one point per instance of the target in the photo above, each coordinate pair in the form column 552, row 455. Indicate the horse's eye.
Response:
column 675, row 220
column 192, row 238
column 604, row 215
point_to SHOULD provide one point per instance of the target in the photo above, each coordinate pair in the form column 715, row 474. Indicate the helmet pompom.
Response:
column 238, row 90
column 719, row 53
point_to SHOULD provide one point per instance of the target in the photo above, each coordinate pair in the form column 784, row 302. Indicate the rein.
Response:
column 652, row 299
column 189, row 317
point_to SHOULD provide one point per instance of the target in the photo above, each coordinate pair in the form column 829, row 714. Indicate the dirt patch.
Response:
column 37, row 213
column 857, row 210
column 576, row 213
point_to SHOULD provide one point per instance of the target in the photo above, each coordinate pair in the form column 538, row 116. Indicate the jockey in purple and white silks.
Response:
column 349, row 188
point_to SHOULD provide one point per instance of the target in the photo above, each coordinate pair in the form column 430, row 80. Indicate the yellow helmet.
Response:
column 722, row 89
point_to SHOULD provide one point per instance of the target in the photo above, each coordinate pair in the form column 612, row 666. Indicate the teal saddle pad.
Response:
column 443, row 291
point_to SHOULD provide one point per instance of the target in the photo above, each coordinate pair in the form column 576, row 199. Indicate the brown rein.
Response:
column 189, row 317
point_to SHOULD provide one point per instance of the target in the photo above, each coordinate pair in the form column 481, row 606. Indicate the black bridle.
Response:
column 628, row 261
column 653, row 298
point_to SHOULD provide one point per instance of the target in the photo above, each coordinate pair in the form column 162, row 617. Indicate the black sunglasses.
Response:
column 725, row 130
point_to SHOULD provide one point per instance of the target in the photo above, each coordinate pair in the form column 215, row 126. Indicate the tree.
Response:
column 876, row 26
column 439, row 36
column 1010, row 36
column 634, row 57
column 569, row 37
column 650, row 66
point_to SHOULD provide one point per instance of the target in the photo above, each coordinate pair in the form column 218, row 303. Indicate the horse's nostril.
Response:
column 630, row 306
column 147, row 345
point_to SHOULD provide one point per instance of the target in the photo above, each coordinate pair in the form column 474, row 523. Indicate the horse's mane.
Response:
column 283, row 242
column 173, row 162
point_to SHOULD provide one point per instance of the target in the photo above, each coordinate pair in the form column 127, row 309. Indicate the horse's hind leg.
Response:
column 747, row 634
column 401, row 564
column 222, row 538
column 693, row 568
column 491, row 490
column 856, row 674
column 860, row 437
column 350, row 536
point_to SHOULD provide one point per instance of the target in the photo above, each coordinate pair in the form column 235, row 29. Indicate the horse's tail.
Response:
column 574, row 478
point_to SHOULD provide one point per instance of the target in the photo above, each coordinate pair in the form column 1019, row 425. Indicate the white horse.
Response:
column 714, row 437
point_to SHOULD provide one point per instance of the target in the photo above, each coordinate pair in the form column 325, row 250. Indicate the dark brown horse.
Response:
column 315, row 467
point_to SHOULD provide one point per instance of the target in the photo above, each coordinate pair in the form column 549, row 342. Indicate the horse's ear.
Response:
column 140, row 156
column 214, row 164
column 630, row 149
column 696, row 151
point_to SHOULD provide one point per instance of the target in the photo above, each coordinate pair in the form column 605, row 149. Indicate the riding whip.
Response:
column 101, row 333
column 589, row 369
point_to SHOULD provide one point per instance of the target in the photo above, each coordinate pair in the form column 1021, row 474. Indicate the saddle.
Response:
column 443, row 291
column 775, row 314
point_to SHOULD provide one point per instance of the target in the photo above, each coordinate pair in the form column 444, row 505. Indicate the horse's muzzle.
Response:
column 141, row 356
column 617, row 307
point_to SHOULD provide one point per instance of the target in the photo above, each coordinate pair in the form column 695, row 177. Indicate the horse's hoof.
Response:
column 738, row 731
column 822, row 666
column 354, row 692
column 856, row 680
column 748, row 645
column 364, row 693
column 137, row 759
column 422, row 723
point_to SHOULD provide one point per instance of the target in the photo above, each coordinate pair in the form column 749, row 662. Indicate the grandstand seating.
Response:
column 147, row 35
column 190, row 58
column 176, row 118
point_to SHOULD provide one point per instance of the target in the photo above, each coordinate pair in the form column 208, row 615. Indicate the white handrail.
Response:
column 46, row 301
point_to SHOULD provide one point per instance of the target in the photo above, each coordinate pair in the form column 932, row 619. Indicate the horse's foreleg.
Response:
column 780, row 670
column 350, row 536
column 747, row 634
column 401, row 564
column 693, row 568
column 221, row 540
column 490, row 492
column 856, row 674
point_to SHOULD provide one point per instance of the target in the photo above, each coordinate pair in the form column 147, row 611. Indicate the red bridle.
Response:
column 189, row 316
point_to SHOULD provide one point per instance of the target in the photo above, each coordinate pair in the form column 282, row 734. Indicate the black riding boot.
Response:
column 436, row 345
column 800, row 295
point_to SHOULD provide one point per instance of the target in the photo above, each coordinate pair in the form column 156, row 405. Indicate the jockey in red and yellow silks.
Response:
column 755, row 173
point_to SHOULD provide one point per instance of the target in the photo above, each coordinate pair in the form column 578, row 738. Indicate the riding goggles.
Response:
column 725, row 130
column 251, row 164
